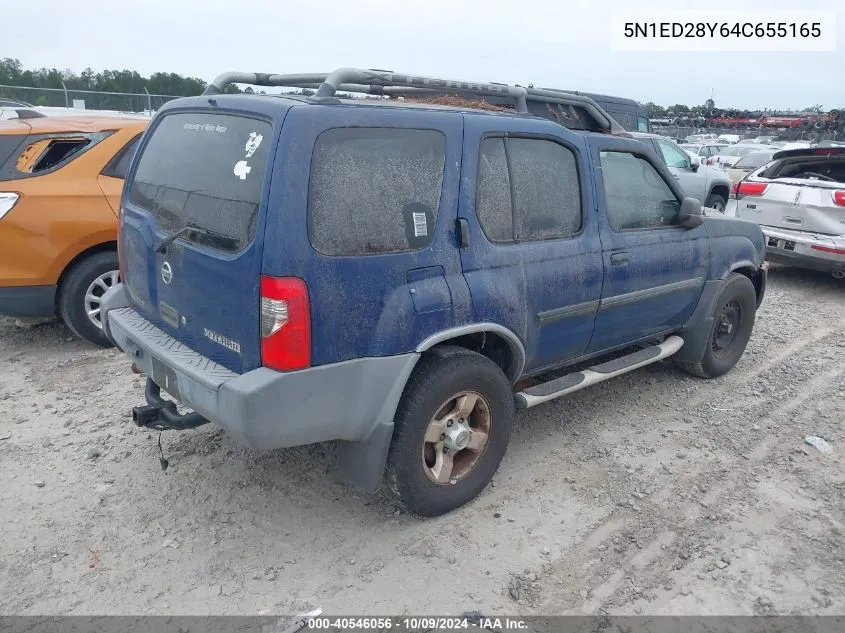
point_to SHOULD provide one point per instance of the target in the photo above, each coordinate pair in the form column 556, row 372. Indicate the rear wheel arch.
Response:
column 103, row 247
column 494, row 341
column 747, row 269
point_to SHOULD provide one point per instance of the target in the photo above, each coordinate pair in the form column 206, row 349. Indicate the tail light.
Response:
column 839, row 198
column 120, row 265
column 744, row 188
column 285, row 324
column 7, row 201
column 829, row 249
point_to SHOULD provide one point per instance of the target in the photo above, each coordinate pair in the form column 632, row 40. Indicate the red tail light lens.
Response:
column 829, row 249
column 839, row 198
column 285, row 324
column 744, row 188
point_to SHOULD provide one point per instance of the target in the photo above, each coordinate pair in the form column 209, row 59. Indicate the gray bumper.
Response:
column 351, row 400
column 803, row 249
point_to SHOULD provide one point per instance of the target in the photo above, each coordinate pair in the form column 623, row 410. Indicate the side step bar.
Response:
column 558, row 387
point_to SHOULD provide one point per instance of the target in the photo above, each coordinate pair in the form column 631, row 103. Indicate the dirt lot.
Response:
column 654, row 493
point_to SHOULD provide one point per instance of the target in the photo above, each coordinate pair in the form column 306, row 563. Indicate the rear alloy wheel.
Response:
column 94, row 295
column 456, row 438
column 81, row 294
column 452, row 428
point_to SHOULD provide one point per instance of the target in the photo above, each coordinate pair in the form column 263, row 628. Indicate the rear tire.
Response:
column 452, row 390
column 80, row 291
column 733, row 321
column 715, row 201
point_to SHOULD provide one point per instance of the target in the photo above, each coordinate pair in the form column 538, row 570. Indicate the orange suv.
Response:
column 60, row 185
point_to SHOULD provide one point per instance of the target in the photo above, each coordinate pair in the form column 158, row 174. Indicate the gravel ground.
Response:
column 654, row 493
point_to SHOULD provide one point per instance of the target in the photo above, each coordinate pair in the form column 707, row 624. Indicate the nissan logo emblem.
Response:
column 166, row 273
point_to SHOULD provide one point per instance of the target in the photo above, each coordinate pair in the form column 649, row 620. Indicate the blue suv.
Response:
column 402, row 277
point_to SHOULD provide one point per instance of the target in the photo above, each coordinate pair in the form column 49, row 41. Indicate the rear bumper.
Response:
column 263, row 408
column 28, row 301
column 796, row 248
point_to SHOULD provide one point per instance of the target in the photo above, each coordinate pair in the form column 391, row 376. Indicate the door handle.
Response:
column 463, row 232
column 617, row 259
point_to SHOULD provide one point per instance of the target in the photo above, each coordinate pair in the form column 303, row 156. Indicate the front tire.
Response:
column 451, row 431
column 733, row 321
column 80, row 294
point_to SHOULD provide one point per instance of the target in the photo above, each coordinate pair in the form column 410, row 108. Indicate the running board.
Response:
column 597, row 373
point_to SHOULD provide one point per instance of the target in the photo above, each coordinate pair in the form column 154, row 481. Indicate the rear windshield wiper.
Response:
column 188, row 228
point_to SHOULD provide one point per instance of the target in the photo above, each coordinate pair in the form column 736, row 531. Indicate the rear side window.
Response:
column 119, row 165
column 39, row 154
column 528, row 190
column 204, row 171
column 374, row 190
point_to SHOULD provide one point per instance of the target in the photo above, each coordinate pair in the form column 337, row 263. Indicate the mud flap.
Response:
column 362, row 463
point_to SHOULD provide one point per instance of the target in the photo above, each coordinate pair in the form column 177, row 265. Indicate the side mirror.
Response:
column 689, row 216
column 695, row 162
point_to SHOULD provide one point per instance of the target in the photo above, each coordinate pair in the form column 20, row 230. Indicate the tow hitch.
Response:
column 161, row 414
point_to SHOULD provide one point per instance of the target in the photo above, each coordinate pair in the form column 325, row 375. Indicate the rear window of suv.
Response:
column 206, row 171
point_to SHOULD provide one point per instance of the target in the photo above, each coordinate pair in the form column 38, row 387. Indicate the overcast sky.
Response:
column 551, row 43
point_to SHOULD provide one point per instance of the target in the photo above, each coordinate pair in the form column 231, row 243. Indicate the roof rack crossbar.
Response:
column 369, row 82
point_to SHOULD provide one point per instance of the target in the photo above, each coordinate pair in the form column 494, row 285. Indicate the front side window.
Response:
column 642, row 124
column 673, row 155
column 635, row 194
column 528, row 190
column 374, row 190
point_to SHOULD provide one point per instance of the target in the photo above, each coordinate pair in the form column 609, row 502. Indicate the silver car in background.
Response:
column 708, row 185
column 798, row 200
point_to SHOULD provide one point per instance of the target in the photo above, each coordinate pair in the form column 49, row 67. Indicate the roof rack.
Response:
column 389, row 83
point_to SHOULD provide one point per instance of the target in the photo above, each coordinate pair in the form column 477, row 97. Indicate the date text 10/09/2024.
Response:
column 723, row 29
column 415, row 624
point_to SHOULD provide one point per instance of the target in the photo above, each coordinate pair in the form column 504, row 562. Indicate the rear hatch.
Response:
column 191, row 232
column 803, row 190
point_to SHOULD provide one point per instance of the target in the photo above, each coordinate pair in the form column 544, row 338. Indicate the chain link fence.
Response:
column 788, row 134
column 85, row 99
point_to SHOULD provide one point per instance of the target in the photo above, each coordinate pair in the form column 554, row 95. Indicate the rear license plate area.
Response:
column 784, row 245
column 165, row 378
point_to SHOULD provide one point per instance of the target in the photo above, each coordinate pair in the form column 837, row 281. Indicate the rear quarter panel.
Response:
column 733, row 244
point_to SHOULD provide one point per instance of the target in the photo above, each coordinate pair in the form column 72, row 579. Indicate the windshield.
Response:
column 754, row 159
column 736, row 151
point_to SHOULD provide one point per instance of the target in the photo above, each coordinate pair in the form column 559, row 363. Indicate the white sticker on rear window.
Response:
column 242, row 169
column 420, row 225
column 252, row 143
column 205, row 127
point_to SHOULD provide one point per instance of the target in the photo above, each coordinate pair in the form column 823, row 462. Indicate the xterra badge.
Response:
column 222, row 340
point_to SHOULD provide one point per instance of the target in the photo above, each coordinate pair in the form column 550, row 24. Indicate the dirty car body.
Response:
column 297, row 270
